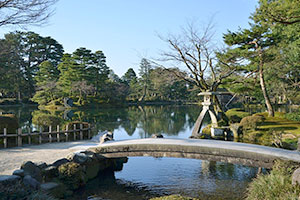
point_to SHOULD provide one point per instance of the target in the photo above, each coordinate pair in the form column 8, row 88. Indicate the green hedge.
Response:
column 10, row 122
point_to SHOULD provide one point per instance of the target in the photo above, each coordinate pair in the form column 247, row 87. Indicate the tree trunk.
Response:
column 263, row 86
column 219, row 110
column 19, row 97
column 80, row 97
column 144, row 94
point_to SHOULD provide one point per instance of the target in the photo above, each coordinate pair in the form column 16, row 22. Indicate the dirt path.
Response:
column 12, row 158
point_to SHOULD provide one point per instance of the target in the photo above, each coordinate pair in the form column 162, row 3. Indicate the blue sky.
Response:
column 126, row 30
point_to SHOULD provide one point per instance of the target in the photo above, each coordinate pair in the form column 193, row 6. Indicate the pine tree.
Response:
column 144, row 73
column 46, row 80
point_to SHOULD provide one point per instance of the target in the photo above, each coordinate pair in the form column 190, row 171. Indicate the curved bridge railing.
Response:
column 214, row 150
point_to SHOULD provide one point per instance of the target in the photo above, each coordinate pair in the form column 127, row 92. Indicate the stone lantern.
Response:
column 208, row 108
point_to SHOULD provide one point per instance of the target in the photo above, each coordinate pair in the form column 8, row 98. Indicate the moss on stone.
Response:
column 72, row 175
column 21, row 191
column 207, row 130
column 92, row 170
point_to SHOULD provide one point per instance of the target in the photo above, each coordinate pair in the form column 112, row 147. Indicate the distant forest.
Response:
column 35, row 68
column 260, row 64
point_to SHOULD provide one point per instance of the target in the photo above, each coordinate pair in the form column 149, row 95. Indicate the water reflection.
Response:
column 152, row 176
column 129, row 122
column 142, row 122
column 145, row 177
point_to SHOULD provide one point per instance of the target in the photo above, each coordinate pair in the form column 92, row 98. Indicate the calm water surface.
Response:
column 144, row 177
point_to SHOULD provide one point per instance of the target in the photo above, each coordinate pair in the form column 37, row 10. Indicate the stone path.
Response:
column 12, row 158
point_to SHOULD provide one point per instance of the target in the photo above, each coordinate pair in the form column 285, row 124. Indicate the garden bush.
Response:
column 235, row 115
column 10, row 122
column 46, row 120
column 251, row 122
column 294, row 116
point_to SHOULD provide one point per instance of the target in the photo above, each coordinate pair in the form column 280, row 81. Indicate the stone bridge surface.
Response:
column 213, row 150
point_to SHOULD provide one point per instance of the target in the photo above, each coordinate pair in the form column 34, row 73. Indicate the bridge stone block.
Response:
column 217, row 132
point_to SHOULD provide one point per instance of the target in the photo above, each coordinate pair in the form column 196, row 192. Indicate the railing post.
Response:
column 67, row 133
column 89, row 131
column 57, row 134
column 74, row 130
column 29, row 137
column 19, row 137
column 40, row 136
column 81, row 132
column 5, row 138
column 50, row 136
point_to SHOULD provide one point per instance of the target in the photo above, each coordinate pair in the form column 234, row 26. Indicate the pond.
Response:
column 144, row 177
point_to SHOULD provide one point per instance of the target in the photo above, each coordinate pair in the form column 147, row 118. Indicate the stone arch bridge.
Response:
column 213, row 150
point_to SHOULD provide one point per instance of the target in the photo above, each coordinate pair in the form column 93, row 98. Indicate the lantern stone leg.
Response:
column 198, row 124
column 207, row 107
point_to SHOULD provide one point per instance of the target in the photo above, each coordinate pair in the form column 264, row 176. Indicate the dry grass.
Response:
column 173, row 197
column 276, row 185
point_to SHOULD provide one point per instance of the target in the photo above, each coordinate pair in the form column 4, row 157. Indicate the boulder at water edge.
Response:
column 296, row 177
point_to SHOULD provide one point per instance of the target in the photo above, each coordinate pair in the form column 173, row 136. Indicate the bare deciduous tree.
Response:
column 25, row 12
column 83, row 88
column 195, row 50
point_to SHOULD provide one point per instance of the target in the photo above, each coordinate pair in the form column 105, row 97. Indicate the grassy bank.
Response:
column 174, row 197
column 276, row 185
column 274, row 131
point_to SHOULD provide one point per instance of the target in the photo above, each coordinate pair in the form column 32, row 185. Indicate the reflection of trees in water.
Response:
column 224, row 171
column 102, row 118
column 148, row 120
column 224, row 176
column 169, row 120
column 133, row 117
column 193, row 112
column 22, row 113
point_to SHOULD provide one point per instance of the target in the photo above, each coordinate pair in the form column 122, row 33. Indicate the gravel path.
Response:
column 12, row 158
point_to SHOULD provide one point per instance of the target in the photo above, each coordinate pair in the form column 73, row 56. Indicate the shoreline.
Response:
column 12, row 158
